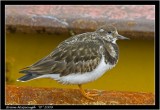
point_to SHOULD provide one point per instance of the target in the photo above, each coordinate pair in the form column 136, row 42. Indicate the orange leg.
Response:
column 87, row 95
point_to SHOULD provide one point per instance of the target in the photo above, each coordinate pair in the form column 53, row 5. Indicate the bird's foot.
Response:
column 88, row 95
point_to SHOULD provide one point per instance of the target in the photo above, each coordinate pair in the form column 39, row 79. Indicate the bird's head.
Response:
column 110, row 33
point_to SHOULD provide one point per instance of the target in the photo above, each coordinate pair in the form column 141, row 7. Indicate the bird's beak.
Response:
column 122, row 37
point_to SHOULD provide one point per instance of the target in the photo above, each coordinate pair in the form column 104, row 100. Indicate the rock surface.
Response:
column 16, row 95
column 134, row 21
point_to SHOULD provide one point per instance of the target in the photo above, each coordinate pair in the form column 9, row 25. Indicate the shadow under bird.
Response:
column 79, row 59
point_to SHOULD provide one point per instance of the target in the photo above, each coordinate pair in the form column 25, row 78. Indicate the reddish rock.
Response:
column 134, row 21
column 17, row 95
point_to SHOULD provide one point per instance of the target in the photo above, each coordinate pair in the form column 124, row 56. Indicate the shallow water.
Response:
column 134, row 71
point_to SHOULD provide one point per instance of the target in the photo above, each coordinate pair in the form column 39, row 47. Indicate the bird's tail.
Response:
column 24, row 70
column 28, row 75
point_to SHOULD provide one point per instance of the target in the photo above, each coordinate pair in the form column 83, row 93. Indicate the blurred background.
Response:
column 32, row 32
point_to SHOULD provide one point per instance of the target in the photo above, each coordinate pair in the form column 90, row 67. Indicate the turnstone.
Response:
column 79, row 59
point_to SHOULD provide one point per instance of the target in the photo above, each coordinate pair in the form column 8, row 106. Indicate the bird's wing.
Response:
column 70, row 57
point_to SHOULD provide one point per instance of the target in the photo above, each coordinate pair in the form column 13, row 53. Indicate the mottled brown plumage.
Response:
column 78, row 54
column 70, row 56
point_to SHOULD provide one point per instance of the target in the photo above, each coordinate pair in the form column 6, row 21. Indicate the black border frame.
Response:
column 156, row 3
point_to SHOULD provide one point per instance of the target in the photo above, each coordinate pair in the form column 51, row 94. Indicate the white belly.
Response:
column 81, row 78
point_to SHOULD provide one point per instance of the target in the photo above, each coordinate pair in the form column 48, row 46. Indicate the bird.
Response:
column 78, row 60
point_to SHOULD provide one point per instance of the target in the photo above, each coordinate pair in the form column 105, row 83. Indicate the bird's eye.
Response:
column 109, row 32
